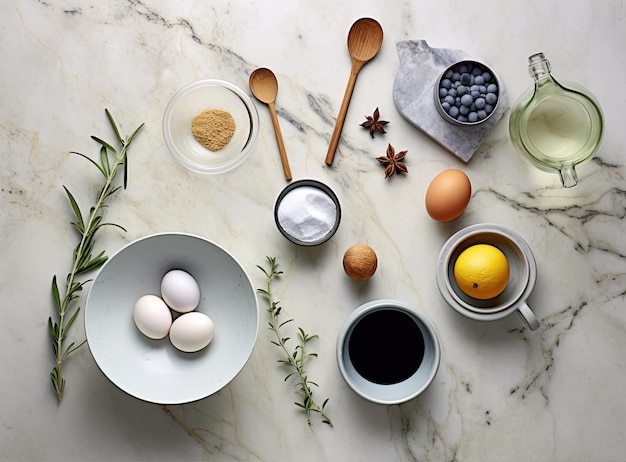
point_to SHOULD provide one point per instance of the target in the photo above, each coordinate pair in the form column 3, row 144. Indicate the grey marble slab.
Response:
column 420, row 67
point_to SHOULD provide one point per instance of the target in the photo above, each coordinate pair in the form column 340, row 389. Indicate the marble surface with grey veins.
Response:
column 501, row 392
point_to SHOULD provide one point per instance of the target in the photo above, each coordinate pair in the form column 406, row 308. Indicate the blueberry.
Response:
column 449, row 99
column 467, row 100
column 445, row 83
column 481, row 114
column 476, row 71
column 492, row 88
column 452, row 92
column 446, row 106
column 464, row 110
column 461, row 90
column 475, row 94
column 482, row 89
column 462, row 68
column 448, row 74
column 480, row 103
column 486, row 76
column 491, row 98
column 443, row 93
column 457, row 101
column 479, row 80
column 462, row 118
column 472, row 117
column 466, row 79
column 456, row 76
column 489, row 108
column 454, row 112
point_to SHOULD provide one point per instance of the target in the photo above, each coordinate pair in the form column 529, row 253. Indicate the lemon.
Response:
column 482, row 271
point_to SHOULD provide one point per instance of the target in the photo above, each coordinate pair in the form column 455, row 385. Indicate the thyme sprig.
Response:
column 83, row 260
column 294, row 360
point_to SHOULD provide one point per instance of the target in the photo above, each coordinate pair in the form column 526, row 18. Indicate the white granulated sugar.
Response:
column 307, row 213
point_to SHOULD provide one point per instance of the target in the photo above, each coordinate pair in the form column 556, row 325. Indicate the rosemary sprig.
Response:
column 295, row 360
column 83, row 260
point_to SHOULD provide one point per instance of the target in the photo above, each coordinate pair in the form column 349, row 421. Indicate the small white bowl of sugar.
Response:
column 307, row 212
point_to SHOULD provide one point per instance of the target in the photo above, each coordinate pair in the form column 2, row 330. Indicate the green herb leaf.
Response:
column 104, row 144
column 55, row 293
column 54, row 328
column 72, row 319
column 92, row 162
column 115, row 129
column 94, row 263
column 104, row 161
column 131, row 137
column 80, row 223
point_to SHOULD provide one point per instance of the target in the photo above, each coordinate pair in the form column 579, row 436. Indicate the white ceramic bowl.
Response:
column 402, row 391
column 153, row 370
column 190, row 101
column 522, row 278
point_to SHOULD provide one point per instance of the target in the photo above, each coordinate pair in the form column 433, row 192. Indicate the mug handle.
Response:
column 528, row 316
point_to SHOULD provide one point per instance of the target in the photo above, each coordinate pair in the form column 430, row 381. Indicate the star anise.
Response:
column 393, row 162
column 373, row 124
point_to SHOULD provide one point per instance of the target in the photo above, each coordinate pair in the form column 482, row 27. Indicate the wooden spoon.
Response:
column 264, row 87
column 364, row 41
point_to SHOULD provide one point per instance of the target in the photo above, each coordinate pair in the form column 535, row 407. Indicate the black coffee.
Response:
column 386, row 346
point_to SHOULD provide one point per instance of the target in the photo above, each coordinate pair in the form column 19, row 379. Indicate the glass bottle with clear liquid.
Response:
column 555, row 126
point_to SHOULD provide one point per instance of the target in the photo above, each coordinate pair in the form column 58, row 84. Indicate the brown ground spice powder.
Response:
column 213, row 129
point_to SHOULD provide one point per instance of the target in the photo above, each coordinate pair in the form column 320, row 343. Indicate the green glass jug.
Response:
column 555, row 126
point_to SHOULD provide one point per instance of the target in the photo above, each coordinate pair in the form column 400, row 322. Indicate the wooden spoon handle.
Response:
column 341, row 118
column 279, row 140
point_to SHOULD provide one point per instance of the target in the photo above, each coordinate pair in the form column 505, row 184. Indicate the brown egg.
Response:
column 360, row 262
column 447, row 195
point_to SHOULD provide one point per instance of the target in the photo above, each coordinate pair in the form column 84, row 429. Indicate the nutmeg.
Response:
column 360, row 262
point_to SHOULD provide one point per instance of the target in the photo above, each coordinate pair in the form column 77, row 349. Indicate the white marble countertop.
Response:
column 501, row 393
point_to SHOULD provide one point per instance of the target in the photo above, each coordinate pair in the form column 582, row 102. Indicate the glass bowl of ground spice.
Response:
column 210, row 126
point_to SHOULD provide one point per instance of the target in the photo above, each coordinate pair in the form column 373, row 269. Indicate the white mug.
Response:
column 522, row 277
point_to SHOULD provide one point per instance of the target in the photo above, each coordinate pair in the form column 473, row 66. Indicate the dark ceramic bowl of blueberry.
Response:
column 467, row 93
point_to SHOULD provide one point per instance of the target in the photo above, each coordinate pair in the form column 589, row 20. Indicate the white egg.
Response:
column 180, row 291
column 152, row 316
column 192, row 332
